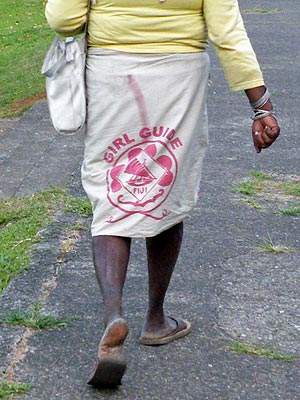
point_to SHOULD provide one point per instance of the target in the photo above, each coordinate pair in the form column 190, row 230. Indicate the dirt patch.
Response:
column 26, row 103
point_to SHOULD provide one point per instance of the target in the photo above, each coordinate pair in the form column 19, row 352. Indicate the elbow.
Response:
column 63, row 25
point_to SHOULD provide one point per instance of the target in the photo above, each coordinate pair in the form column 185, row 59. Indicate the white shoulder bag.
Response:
column 64, row 68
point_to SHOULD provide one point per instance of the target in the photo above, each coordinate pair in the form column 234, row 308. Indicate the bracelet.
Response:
column 259, row 114
column 261, row 102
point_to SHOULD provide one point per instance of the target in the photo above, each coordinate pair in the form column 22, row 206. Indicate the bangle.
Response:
column 261, row 102
column 259, row 114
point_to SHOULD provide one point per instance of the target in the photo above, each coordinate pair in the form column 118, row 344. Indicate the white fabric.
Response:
column 145, row 141
column 64, row 68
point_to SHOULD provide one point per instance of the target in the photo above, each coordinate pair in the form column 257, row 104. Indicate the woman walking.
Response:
column 147, row 72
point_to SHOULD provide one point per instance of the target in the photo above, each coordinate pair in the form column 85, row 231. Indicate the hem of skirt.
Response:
column 139, row 235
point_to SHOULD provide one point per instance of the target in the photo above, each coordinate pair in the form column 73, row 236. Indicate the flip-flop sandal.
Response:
column 108, row 372
column 183, row 328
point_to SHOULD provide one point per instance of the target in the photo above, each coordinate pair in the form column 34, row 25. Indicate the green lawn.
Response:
column 21, row 220
column 24, row 40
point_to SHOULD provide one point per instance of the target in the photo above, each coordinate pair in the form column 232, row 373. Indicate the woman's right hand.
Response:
column 264, row 132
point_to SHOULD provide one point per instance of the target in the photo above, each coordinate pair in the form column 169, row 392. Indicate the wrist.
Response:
column 267, row 106
column 260, row 114
column 259, row 101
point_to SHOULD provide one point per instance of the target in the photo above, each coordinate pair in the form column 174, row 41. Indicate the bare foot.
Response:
column 172, row 329
column 113, row 338
column 110, row 365
column 155, row 329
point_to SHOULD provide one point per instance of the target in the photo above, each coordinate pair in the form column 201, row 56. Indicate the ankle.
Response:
column 155, row 319
column 112, row 316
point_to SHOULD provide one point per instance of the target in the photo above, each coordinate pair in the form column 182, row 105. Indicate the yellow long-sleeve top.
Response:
column 171, row 26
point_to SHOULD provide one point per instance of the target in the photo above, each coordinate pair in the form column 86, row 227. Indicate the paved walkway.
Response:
column 223, row 284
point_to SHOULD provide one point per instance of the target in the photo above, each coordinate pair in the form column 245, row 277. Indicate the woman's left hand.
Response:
column 264, row 132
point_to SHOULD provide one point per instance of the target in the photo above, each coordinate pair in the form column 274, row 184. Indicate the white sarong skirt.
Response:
column 145, row 140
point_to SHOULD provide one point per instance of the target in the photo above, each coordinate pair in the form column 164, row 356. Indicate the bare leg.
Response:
column 111, row 256
column 163, row 251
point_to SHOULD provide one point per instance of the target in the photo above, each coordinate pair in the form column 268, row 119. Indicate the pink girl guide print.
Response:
column 142, row 172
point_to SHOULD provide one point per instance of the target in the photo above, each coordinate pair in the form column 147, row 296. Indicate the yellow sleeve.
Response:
column 227, row 33
column 66, row 17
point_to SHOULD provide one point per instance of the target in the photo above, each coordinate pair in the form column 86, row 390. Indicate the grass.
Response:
column 21, row 220
column 254, row 185
column 10, row 389
column 247, row 188
column 78, row 205
column 25, row 38
column 252, row 203
column 269, row 246
column 261, row 176
column 261, row 11
column 291, row 188
column 270, row 187
column 34, row 319
column 290, row 211
column 258, row 351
